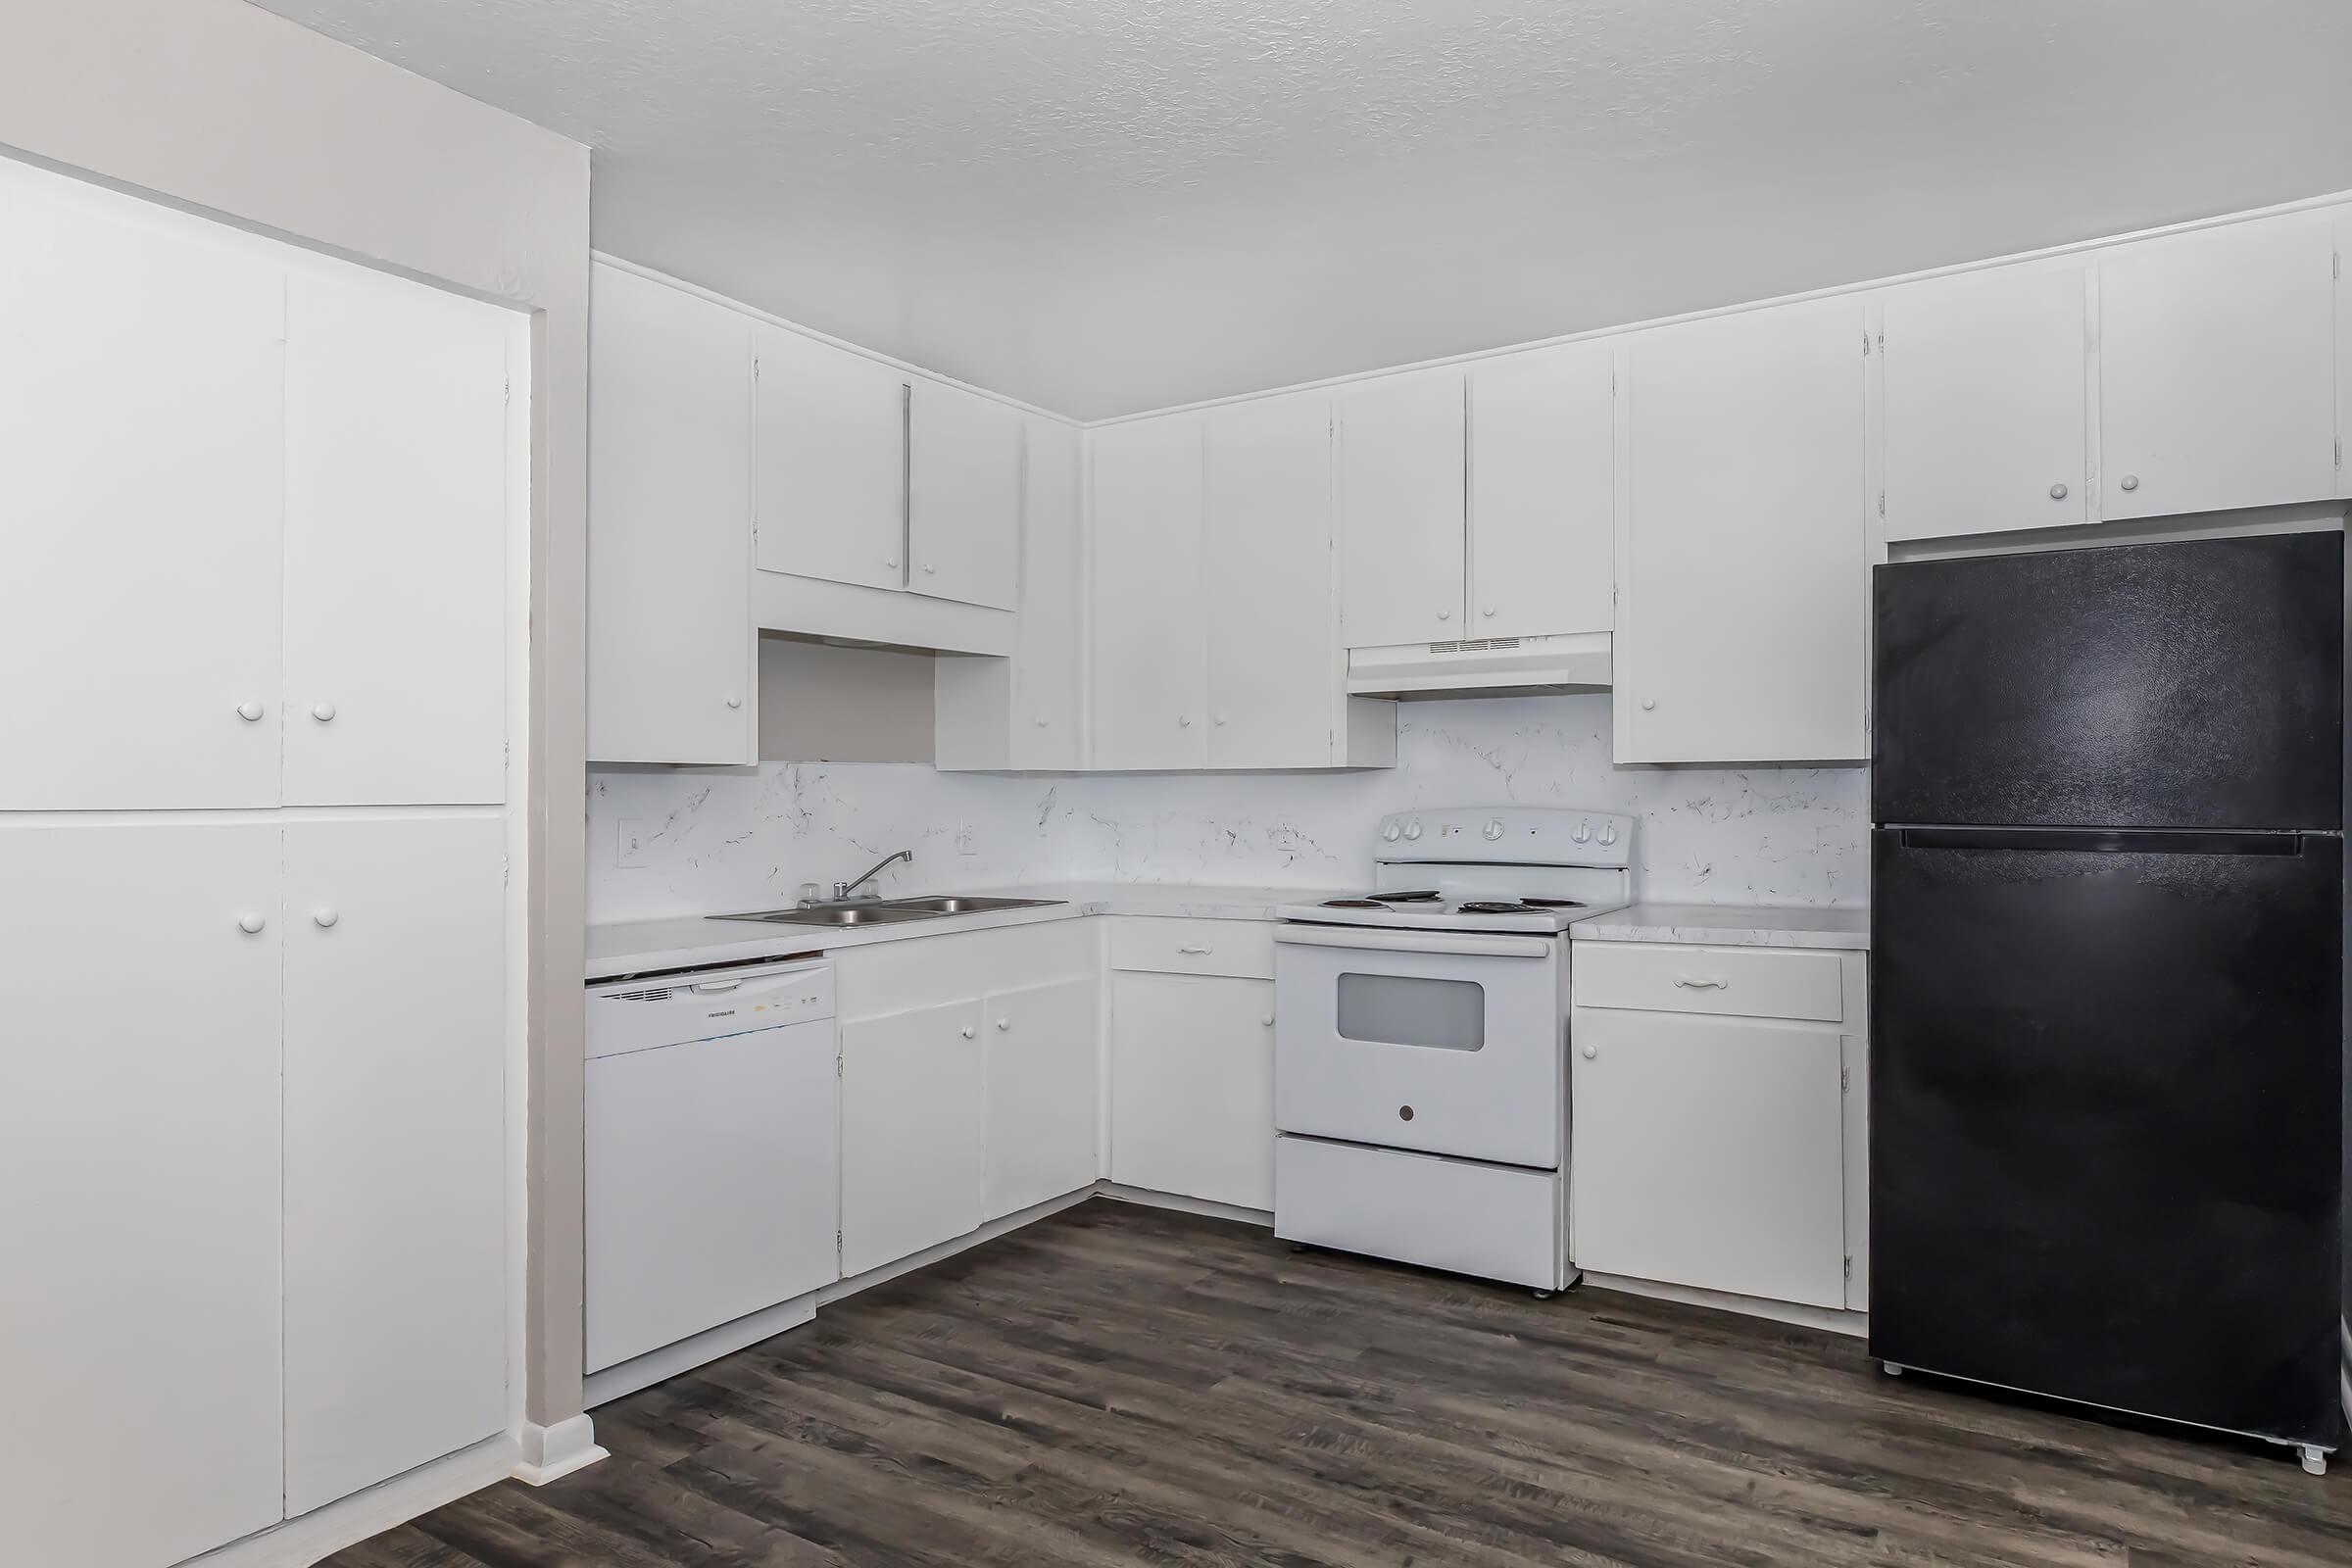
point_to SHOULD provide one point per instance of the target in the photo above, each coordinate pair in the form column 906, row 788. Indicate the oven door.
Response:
column 1446, row 1042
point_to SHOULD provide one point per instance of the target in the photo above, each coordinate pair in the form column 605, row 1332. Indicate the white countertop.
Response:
column 1729, row 925
column 692, row 941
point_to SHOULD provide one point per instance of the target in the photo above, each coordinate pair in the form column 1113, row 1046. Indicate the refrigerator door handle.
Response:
column 2111, row 840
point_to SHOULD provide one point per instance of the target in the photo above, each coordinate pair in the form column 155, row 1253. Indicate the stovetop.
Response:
column 1503, row 869
column 1430, row 911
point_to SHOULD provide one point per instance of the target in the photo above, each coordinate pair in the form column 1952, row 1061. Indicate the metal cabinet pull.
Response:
column 1197, row 951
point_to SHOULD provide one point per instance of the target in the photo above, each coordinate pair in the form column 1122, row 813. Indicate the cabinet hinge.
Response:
column 1881, row 502
column 2340, row 451
column 505, row 390
column 1866, row 343
column 1882, row 340
column 1845, row 1079
column 2336, row 259
column 1849, row 1266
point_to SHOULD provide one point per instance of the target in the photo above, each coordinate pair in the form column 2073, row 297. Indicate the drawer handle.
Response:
column 1689, row 984
column 1196, row 951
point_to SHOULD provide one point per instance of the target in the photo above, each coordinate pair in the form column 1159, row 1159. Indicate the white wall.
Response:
column 738, row 838
column 218, row 107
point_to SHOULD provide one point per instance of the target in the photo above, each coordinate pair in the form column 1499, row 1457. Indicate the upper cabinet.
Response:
column 2217, row 369
column 1740, row 612
column 829, row 462
column 1543, row 492
column 963, row 497
column 1150, row 652
column 672, row 656
column 1401, row 486
column 1987, row 389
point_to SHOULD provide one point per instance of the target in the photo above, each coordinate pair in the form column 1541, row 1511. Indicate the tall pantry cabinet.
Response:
column 259, row 510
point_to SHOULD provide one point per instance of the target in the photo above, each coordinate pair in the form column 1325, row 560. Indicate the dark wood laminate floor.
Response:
column 1119, row 1385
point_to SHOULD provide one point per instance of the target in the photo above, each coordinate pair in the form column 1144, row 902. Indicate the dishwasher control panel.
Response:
column 675, row 1009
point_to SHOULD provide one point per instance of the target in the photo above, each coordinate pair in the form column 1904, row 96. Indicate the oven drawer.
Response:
column 1490, row 1221
column 1744, row 982
column 1241, row 949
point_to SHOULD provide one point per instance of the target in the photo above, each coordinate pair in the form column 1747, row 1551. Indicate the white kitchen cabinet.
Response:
column 395, row 1147
column 2343, row 352
column 1192, row 1086
column 1275, row 673
column 139, row 1143
column 1987, row 413
column 1400, row 509
column 143, row 467
column 1542, row 493
column 913, row 1131
column 1741, row 581
column 397, row 500
column 672, row 656
column 2217, row 369
column 1043, row 1093
column 1709, row 1152
column 1027, row 713
column 829, row 460
column 1150, row 670
column 963, row 506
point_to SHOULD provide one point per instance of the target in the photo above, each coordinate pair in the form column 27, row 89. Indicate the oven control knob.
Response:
column 1390, row 832
column 1584, row 832
column 1608, row 833
column 1412, row 829
column 1494, row 828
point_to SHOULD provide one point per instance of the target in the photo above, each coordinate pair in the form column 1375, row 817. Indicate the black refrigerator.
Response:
column 2108, row 1085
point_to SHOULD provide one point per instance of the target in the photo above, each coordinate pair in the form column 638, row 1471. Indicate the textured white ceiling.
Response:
column 1109, row 205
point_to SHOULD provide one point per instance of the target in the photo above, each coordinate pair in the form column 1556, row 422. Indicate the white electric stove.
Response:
column 1421, row 1041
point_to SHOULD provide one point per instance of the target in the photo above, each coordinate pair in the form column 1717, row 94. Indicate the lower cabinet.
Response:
column 1192, row 1086
column 911, row 1137
column 1713, row 1150
column 1041, row 1091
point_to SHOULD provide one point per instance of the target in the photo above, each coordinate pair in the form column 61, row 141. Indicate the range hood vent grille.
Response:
column 1577, row 662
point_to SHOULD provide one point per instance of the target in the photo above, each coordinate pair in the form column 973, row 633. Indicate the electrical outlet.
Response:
column 965, row 842
column 634, row 830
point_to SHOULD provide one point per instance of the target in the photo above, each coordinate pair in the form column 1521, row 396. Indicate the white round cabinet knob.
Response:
column 1220, row 720
column 324, row 712
column 1648, row 703
column 967, row 1031
column 1493, row 828
column 1267, row 1019
column 1412, row 829
column 2130, row 482
column 1004, row 1024
column 1390, row 832
column 1445, row 614
column 928, row 568
column 326, row 916
column 250, row 712
column 1041, row 724
column 1489, row 611
column 2057, row 492
column 1184, row 721
column 251, row 924
column 1589, row 1052
column 892, row 562
column 734, row 701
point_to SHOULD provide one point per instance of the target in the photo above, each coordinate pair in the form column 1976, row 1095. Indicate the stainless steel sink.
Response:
column 886, row 912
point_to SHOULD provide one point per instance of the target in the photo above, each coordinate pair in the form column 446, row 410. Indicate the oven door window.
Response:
column 1399, row 1010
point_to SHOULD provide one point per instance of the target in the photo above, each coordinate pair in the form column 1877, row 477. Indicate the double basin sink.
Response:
column 885, row 912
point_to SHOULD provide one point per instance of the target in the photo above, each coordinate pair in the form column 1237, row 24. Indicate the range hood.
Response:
column 1485, row 666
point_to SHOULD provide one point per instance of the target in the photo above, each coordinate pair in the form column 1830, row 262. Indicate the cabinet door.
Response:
column 1543, row 492
column 1739, row 621
column 1708, row 1151
column 142, row 487
column 397, row 464
column 139, row 1137
column 1986, row 418
column 964, row 497
column 829, row 462
column 1192, row 1086
column 1049, row 692
column 1149, row 669
column 1400, row 510
column 672, row 656
column 1041, row 1092
column 1274, row 658
column 2217, row 369
column 912, row 1132
column 395, row 1161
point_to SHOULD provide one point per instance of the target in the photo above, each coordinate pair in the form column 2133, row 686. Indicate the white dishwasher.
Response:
column 714, row 1151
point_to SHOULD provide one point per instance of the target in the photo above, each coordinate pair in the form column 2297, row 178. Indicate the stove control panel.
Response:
column 1507, row 835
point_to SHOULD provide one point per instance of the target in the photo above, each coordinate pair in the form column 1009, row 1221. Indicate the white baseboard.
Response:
column 1189, row 1206
column 987, row 1232
column 1835, row 1321
column 699, row 1350
column 347, row 1521
column 550, row 1453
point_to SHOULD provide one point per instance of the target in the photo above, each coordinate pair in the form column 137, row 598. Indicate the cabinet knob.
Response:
column 928, row 567
column 250, row 712
column 1488, row 611
column 1445, row 614
column 1184, row 721
column 1220, row 720
column 1041, row 724
column 1589, row 1052
column 969, row 1031
column 324, row 712
column 1004, row 1024
column 2130, row 482
column 326, row 916
column 1648, row 703
column 2057, row 492
column 251, row 924
column 892, row 562
column 734, row 701
column 1267, row 1019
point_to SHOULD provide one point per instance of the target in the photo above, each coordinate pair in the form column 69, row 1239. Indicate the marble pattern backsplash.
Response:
column 717, row 838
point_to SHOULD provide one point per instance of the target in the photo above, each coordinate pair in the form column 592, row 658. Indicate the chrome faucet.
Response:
column 843, row 890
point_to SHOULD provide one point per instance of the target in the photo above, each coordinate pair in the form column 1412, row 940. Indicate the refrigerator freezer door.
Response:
column 2105, row 1112
column 2197, row 684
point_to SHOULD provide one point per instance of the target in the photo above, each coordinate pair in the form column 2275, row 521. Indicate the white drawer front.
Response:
column 1241, row 949
column 1744, row 982
column 1487, row 1221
